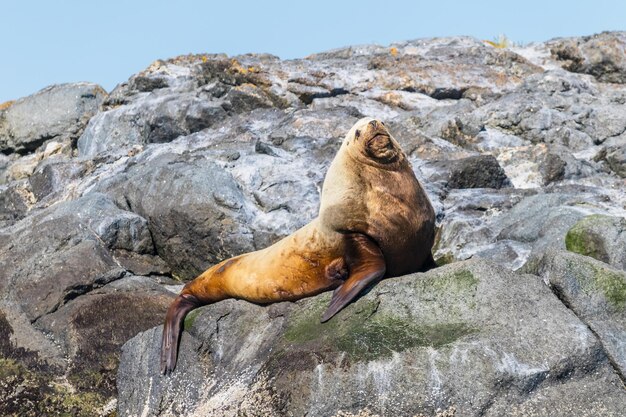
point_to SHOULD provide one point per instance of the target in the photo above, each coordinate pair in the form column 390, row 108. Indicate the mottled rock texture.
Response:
column 110, row 201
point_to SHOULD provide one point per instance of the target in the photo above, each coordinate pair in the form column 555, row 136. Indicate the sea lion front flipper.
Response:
column 367, row 266
column 172, row 329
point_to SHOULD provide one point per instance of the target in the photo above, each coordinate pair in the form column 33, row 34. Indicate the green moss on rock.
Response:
column 29, row 392
column 191, row 317
column 445, row 259
column 461, row 281
column 582, row 238
column 364, row 336
column 612, row 285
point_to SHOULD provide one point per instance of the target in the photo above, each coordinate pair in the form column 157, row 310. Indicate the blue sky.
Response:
column 48, row 42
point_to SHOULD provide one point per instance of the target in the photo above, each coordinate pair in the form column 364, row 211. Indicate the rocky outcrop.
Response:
column 470, row 337
column 58, row 112
column 109, row 202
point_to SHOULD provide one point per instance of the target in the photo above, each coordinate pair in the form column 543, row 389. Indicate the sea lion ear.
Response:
column 367, row 267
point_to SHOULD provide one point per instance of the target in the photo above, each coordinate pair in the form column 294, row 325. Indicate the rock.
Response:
column 447, row 339
column 52, row 177
column 197, row 220
column 508, row 225
column 157, row 119
column 595, row 292
column 90, row 333
column 555, row 107
column 4, row 164
column 601, row 237
column 202, row 157
column 478, row 172
column 60, row 277
column 15, row 201
column 616, row 160
column 63, row 252
column 93, row 327
column 29, row 122
column 600, row 55
column 23, row 167
column 25, row 383
column 552, row 168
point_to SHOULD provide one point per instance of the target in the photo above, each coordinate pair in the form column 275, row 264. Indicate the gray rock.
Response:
column 119, row 310
column 196, row 220
column 447, row 339
column 15, row 201
column 59, row 111
column 616, row 159
column 202, row 157
column 62, row 252
column 4, row 164
column 508, row 226
column 157, row 119
column 481, row 171
column 81, row 346
column 600, row 55
column 552, row 168
column 601, row 237
column 63, row 307
column 595, row 292
column 555, row 107
column 52, row 176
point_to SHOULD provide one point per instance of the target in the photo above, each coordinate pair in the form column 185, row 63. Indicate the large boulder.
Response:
column 471, row 338
column 66, row 363
column 594, row 291
column 57, row 112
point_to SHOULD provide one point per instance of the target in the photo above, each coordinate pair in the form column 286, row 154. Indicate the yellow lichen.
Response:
column 393, row 51
column 6, row 104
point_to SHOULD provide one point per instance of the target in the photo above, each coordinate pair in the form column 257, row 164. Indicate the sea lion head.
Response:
column 370, row 142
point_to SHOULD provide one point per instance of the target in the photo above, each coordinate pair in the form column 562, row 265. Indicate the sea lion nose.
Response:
column 374, row 123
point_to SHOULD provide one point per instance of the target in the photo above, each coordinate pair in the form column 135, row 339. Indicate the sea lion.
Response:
column 375, row 221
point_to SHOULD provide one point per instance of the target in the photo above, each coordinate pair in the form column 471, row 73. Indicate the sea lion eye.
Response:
column 357, row 134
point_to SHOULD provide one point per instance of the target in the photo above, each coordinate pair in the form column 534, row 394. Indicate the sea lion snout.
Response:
column 375, row 145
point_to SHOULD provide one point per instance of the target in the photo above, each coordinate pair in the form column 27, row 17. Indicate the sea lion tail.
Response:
column 172, row 329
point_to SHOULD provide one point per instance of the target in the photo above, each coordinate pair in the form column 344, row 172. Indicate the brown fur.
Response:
column 375, row 221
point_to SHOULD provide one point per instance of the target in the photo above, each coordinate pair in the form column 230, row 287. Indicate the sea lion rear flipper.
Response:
column 367, row 266
column 172, row 329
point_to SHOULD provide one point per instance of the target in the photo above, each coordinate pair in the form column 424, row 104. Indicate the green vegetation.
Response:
column 612, row 285
column 592, row 278
column 364, row 335
column 581, row 239
column 28, row 392
column 500, row 42
column 445, row 259
column 191, row 317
